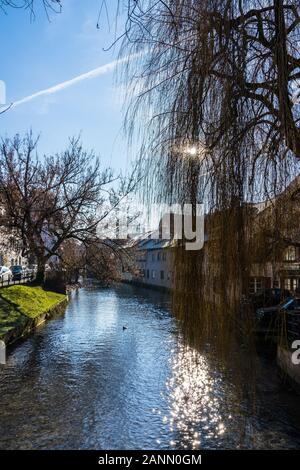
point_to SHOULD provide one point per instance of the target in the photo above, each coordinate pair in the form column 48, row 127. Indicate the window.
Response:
column 162, row 275
column 290, row 284
column 147, row 273
column 153, row 273
column 158, row 256
column 256, row 285
column 164, row 256
column 287, row 284
column 290, row 254
column 153, row 256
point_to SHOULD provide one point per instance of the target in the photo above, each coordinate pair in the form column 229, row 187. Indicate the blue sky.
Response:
column 39, row 54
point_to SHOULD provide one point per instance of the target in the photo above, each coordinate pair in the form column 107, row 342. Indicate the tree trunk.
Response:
column 40, row 275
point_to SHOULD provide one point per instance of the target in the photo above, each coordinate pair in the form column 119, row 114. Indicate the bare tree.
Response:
column 103, row 260
column 56, row 199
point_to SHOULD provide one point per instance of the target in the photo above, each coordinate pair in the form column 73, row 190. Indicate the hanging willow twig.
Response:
column 223, row 73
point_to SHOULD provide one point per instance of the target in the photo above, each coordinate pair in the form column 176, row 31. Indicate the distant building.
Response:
column 10, row 247
column 11, row 252
column 153, row 262
column 284, row 274
column 154, row 256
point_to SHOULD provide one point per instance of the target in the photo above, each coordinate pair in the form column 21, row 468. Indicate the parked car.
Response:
column 269, row 297
column 5, row 273
column 267, row 318
column 17, row 272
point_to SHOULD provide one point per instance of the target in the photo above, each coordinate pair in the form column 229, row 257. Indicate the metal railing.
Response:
column 25, row 278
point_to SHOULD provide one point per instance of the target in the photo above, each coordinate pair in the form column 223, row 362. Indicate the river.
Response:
column 81, row 381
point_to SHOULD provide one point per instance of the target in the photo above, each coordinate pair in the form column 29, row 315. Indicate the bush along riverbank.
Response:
column 23, row 308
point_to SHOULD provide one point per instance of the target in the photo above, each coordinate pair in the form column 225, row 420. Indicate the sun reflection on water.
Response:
column 196, row 399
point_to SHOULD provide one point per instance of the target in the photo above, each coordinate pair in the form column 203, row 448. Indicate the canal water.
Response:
column 82, row 381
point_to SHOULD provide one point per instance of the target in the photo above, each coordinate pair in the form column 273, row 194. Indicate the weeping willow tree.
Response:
column 215, row 94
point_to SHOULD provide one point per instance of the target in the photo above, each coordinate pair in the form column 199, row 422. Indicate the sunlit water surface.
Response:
column 83, row 382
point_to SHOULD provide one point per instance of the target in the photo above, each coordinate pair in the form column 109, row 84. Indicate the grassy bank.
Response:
column 22, row 307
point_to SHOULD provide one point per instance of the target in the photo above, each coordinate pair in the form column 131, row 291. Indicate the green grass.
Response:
column 29, row 301
column 9, row 317
column 18, row 303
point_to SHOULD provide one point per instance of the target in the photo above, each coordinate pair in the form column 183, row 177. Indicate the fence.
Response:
column 25, row 278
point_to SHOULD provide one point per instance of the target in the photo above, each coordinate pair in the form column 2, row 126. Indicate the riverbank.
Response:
column 23, row 308
column 146, row 285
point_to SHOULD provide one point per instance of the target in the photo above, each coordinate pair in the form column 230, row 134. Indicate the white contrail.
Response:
column 103, row 69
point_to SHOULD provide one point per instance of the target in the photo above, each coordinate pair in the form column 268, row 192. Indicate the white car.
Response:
column 5, row 273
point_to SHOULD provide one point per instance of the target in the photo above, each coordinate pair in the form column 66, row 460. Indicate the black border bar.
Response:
column 137, row 459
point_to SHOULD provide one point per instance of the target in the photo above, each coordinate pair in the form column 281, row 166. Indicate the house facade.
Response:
column 154, row 256
column 11, row 251
column 154, row 264
column 10, row 247
column 284, row 274
column 154, row 261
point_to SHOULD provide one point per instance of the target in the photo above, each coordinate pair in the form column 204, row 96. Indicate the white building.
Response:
column 10, row 248
column 153, row 260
